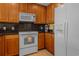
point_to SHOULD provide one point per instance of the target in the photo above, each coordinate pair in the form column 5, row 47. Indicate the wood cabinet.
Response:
column 32, row 8
column 9, row 12
column 50, row 13
column 41, row 40
column 13, row 12
column 49, row 42
column 11, row 45
column 23, row 8
column 3, row 12
column 41, row 15
column 1, row 46
column 39, row 11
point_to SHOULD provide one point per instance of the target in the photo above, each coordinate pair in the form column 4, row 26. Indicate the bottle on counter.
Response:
column 46, row 28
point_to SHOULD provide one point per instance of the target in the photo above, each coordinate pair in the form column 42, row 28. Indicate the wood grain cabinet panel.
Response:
column 9, row 12
column 1, row 46
column 39, row 11
column 23, row 8
column 40, row 40
column 32, row 8
column 41, row 15
column 49, row 42
column 3, row 12
column 11, row 45
column 50, row 14
column 13, row 12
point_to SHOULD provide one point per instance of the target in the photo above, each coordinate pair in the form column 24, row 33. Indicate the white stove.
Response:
column 28, row 42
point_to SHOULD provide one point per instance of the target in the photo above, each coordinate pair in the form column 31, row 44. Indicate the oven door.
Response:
column 28, row 40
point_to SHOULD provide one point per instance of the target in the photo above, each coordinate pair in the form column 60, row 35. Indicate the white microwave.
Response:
column 27, row 17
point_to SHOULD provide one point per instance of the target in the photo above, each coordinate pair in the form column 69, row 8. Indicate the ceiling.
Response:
column 44, row 4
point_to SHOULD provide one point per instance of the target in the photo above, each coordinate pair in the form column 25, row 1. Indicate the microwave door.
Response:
column 27, row 17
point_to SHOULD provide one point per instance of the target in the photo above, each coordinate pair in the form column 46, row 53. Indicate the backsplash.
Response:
column 30, row 26
column 39, row 27
column 26, row 26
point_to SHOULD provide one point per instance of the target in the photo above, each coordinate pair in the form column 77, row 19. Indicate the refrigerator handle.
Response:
column 66, row 35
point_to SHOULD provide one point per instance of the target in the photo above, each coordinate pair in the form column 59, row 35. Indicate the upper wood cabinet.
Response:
column 49, row 42
column 38, row 10
column 13, row 12
column 1, row 46
column 23, row 7
column 9, row 12
column 41, row 15
column 11, row 45
column 32, row 8
column 3, row 12
column 41, row 40
column 50, row 13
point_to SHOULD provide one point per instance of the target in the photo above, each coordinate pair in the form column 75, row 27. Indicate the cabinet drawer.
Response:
column 11, row 36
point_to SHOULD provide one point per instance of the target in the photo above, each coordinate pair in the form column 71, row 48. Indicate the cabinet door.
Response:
column 39, row 11
column 23, row 8
column 50, row 14
column 49, row 42
column 1, row 46
column 32, row 8
column 41, row 41
column 11, row 45
column 40, row 14
column 3, row 12
column 13, row 13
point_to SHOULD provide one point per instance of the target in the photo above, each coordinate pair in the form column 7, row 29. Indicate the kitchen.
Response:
column 39, row 29
column 26, row 29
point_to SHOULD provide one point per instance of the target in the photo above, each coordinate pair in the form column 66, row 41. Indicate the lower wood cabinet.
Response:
column 11, row 45
column 40, row 40
column 49, row 42
column 1, row 46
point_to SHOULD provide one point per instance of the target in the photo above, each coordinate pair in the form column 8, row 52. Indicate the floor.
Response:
column 41, row 53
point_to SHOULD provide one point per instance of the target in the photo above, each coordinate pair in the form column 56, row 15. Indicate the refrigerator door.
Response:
column 73, row 30
column 60, row 26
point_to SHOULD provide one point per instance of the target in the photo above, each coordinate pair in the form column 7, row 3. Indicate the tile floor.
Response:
column 42, row 53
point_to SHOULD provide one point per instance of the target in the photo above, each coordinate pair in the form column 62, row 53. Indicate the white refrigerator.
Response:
column 66, row 30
